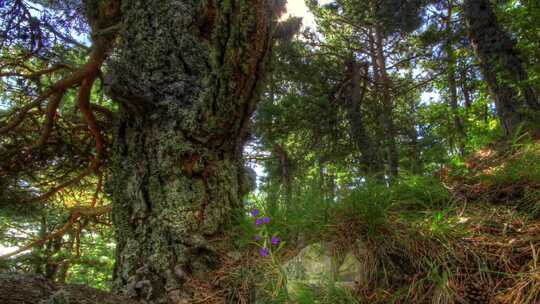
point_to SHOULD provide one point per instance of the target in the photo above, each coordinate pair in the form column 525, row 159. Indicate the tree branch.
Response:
column 76, row 213
column 54, row 190
column 52, row 106
column 84, row 106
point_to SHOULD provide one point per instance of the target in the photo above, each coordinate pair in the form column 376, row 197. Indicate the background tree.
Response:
column 501, row 66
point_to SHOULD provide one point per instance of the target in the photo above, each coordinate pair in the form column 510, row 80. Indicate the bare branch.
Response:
column 55, row 190
column 84, row 106
column 54, row 102
column 76, row 213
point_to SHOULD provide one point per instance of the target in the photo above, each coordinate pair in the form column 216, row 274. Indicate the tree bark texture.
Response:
column 501, row 65
column 187, row 75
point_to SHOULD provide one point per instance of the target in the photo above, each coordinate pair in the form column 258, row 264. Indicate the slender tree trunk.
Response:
column 188, row 75
column 285, row 167
column 38, row 265
column 66, row 264
column 52, row 267
column 454, row 106
column 370, row 158
column 332, row 186
column 465, row 89
column 501, row 65
column 452, row 87
column 387, row 103
column 380, row 135
column 417, row 165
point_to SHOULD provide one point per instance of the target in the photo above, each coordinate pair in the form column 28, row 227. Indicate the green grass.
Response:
column 416, row 236
column 420, row 193
column 399, row 224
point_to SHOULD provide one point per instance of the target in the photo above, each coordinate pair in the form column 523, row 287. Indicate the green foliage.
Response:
column 420, row 193
column 306, row 216
column 309, row 216
column 315, row 184
column 522, row 166
column 369, row 204
column 304, row 294
column 522, row 19
column 328, row 294
column 95, row 265
column 514, row 178
column 441, row 224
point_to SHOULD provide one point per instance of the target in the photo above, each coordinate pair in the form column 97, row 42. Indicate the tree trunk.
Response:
column 187, row 76
column 370, row 161
column 465, row 89
column 452, row 87
column 454, row 106
column 387, row 103
column 500, row 65
column 285, row 174
column 417, row 165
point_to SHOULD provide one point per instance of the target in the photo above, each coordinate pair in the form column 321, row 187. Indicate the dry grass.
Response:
column 489, row 255
column 231, row 283
column 483, row 248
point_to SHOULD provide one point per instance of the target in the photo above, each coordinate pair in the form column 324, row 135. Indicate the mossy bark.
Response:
column 187, row 75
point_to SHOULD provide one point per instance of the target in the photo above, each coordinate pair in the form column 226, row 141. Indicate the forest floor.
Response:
column 470, row 235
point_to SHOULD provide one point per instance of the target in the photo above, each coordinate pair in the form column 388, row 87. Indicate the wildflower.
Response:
column 258, row 222
column 275, row 240
column 255, row 212
column 264, row 252
column 257, row 238
column 266, row 220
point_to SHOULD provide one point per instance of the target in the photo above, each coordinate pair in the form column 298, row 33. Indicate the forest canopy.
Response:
column 221, row 151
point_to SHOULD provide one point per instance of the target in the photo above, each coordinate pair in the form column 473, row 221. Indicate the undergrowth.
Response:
column 466, row 237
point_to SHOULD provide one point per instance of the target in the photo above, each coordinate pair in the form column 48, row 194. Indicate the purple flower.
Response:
column 255, row 212
column 274, row 240
column 257, row 238
column 266, row 220
column 258, row 222
column 264, row 252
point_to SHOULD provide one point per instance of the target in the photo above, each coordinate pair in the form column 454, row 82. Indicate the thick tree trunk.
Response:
column 187, row 75
column 501, row 65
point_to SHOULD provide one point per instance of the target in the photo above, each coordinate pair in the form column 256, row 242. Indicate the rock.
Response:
column 348, row 270
column 311, row 265
column 314, row 267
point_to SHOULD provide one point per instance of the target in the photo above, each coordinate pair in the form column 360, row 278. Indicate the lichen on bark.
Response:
column 187, row 74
